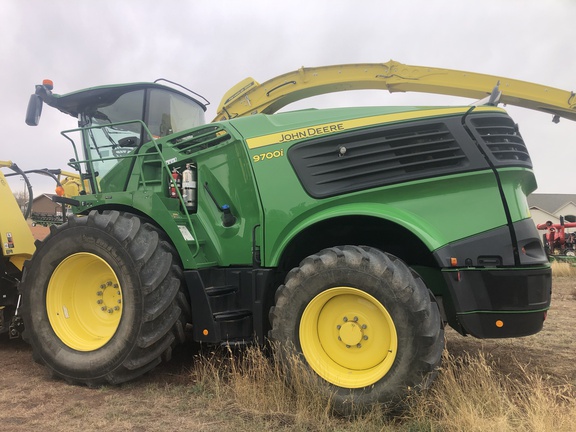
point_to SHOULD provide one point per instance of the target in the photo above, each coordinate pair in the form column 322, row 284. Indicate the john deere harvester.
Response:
column 347, row 237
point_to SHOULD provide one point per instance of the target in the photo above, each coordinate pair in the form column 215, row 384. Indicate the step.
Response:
column 232, row 315
column 222, row 298
column 221, row 290
column 235, row 324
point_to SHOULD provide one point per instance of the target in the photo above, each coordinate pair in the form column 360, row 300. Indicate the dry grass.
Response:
column 471, row 394
column 563, row 269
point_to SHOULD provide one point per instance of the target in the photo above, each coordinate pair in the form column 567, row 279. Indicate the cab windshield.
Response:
column 162, row 110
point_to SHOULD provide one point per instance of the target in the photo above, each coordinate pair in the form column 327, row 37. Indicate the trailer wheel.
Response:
column 363, row 322
column 103, row 299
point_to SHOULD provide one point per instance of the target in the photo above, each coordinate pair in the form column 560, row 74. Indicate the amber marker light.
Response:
column 48, row 84
column 205, row 332
column 59, row 191
column 499, row 323
column 454, row 261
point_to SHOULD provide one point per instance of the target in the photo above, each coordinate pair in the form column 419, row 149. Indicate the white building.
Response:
column 549, row 207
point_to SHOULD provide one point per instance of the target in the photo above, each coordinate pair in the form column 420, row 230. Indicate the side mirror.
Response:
column 34, row 110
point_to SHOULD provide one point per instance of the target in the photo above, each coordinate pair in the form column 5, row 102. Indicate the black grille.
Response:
column 200, row 139
column 502, row 139
column 379, row 156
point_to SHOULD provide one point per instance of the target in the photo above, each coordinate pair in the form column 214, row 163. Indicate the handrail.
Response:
column 164, row 164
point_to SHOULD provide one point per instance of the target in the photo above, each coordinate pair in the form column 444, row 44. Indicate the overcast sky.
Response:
column 211, row 45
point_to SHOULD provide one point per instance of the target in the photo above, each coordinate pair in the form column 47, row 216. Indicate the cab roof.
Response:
column 92, row 98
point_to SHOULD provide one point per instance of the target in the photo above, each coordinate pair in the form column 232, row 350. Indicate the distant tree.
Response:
column 22, row 200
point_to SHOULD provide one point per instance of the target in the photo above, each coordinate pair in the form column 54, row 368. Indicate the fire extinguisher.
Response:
column 175, row 182
column 189, row 187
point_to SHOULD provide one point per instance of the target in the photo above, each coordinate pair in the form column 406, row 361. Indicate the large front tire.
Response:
column 363, row 322
column 103, row 299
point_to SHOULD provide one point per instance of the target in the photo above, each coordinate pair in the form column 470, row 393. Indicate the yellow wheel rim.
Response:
column 84, row 302
column 348, row 337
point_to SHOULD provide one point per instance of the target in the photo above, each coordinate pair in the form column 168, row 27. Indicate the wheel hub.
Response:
column 351, row 333
column 109, row 297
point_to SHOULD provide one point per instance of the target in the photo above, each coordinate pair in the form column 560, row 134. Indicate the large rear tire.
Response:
column 363, row 322
column 103, row 299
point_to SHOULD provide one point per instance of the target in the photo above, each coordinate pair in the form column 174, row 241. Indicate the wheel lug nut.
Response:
column 365, row 337
column 364, row 326
column 99, row 293
column 347, row 346
column 359, row 346
column 345, row 319
column 118, row 292
column 110, row 311
column 109, row 283
column 355, row 319
column 100, row 301
column 339, row 338
column 338, row 326
column 103, row 308
column 103, row 286
column 119, row 301
column 115, row 285
column 116, row 308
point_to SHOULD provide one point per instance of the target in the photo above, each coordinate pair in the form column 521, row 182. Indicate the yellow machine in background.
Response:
column 17, row 247
column 17, row 240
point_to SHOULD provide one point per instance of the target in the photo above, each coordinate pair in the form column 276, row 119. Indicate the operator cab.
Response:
column 113, row 117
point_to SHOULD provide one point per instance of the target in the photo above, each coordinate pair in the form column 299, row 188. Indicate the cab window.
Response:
column 170, row 112
column 107, row 142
